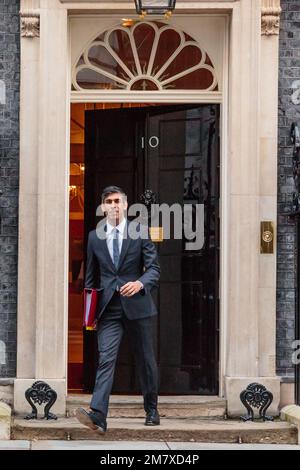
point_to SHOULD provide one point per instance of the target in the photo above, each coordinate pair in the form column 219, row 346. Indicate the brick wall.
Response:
column 289, row 112
column 9, row 180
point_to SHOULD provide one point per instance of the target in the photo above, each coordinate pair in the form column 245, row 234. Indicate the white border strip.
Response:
column 166, row 96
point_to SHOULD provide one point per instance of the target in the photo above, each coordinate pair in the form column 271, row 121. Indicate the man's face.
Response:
column 114, row 206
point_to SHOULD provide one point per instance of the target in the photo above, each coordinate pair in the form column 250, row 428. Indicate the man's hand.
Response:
column 131, row 288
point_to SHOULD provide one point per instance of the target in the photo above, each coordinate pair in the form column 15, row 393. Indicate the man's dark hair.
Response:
column 110, row 190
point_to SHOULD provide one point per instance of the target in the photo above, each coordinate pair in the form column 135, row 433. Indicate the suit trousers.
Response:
column 112, row 325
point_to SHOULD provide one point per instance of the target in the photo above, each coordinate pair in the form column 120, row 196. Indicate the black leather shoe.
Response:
column 152, row 418
column 92, row 419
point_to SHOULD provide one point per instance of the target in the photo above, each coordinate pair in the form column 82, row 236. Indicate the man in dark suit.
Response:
column 122, row 263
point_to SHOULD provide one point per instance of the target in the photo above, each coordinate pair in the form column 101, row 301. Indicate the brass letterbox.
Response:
column 157, row 234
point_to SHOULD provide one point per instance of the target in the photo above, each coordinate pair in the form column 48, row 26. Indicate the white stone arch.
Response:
column 160, row 77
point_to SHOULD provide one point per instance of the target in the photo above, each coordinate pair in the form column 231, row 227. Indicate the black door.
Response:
column 174, row 151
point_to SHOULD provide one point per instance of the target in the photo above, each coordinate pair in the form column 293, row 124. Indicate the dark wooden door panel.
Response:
column 112, row 157
column 179, row 161
column 184, row 169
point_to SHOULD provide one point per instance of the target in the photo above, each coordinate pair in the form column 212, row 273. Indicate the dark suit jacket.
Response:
column 138, row 261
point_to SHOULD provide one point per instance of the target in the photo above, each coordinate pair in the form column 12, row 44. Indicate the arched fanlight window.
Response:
column 147, row 56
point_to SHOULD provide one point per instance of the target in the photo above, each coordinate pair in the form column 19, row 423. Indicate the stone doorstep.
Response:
column 5, row 421
column 177, row 430
column 169, row 406
column 291, row 414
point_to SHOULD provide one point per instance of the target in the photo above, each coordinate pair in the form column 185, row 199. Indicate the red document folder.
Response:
column 91, row 298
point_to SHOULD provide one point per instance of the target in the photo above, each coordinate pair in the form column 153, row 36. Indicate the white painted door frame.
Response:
column 189, row 96
column 248, row 189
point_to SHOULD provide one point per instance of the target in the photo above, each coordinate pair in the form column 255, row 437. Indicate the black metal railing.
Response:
column 295, row 214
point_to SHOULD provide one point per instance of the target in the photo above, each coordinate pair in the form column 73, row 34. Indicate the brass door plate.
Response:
column 267, row 237
column 157, row 234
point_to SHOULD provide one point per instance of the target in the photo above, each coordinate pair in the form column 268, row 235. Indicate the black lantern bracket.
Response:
column 152, row 7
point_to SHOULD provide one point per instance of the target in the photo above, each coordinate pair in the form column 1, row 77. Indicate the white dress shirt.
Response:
column 110, row 236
